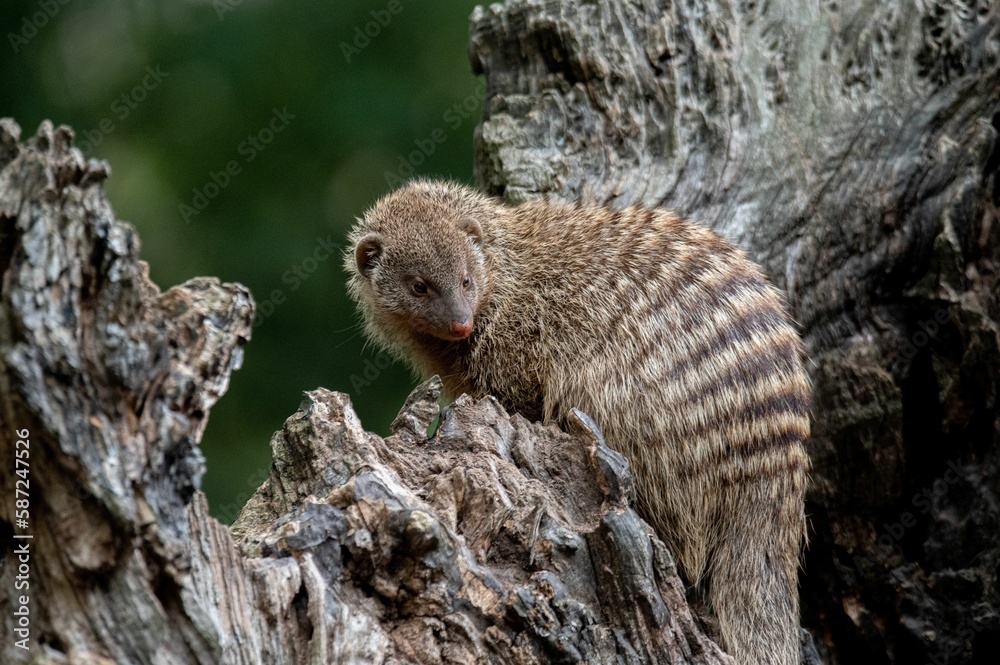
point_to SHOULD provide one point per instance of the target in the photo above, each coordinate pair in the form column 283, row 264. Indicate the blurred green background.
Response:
column 313, row 107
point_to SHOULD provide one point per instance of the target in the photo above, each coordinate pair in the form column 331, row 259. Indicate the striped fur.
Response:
column 666, row 334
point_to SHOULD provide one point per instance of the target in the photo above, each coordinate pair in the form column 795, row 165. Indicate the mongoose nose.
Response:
column 461, row 330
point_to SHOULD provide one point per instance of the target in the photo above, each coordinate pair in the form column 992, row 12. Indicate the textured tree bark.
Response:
column 497, row 540
column 851, row 147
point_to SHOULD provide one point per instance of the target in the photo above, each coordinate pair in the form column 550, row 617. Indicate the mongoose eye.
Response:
column 466, row 281
column 418, row 288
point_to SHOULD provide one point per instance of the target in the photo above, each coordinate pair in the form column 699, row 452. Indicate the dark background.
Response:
column 170, row 94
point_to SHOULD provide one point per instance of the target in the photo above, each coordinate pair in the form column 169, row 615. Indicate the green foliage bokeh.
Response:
column 173, row 93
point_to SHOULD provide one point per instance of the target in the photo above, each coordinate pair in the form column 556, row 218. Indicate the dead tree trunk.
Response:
column 498, row 540
column 852, row 148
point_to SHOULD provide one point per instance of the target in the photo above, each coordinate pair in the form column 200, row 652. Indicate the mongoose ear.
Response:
column 368, row 249
column 472, row 227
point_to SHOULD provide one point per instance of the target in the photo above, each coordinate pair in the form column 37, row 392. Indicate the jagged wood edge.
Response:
column 114, row 380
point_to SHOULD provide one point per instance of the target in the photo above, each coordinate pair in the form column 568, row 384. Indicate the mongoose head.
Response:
column 417, row 265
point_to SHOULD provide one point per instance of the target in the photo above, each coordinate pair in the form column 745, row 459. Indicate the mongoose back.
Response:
column 667, row 335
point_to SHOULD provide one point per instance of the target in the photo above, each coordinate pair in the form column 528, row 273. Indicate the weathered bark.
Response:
column 852, row 148
column 496, row 540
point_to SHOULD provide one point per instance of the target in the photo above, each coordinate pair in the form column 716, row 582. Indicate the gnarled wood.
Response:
column 852, row 148
column 496, row 540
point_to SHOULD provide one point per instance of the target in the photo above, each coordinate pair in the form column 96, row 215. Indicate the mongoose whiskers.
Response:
column 667, row 335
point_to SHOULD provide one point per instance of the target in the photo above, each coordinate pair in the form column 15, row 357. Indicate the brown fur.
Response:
column 666, row 334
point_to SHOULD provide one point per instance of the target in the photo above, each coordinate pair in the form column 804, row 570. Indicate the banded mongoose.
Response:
column 667, row 335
